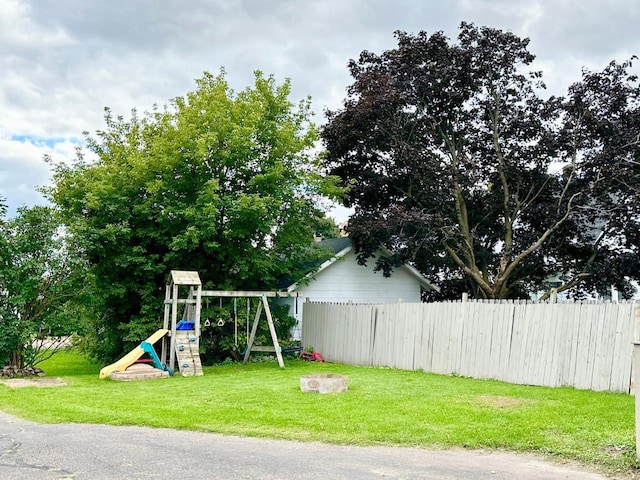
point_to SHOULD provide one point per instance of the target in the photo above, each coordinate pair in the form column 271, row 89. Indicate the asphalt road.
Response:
column 31, row 451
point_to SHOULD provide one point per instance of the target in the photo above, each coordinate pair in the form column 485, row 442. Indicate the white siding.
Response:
column 346, row 281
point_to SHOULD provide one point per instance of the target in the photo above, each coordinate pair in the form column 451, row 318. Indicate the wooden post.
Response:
column 165, row 323
column 252, row 337
column 272, row 329
column 198, row 309
column 636, row 368
column 465, row 297
column 174, row 316
column 554, row 296
column 635, row 375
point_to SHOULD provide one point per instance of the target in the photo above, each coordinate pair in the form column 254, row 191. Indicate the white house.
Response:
column 341, row 279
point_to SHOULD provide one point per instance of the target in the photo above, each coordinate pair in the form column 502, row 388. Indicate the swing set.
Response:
column 192, row 312
column 220, row 322
column 263, row 305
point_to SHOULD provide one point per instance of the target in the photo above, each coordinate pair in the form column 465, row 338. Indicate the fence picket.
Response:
column 605, row 348
column 519, row 375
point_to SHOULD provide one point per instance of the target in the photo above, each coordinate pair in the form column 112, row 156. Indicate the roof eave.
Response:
column 424, row 283
column 294, row 286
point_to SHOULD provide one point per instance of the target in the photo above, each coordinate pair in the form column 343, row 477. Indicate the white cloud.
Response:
column 64, row 60
column 18, row 30
column 23, row 169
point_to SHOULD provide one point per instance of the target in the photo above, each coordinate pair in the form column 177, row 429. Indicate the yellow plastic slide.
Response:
column 131, row 357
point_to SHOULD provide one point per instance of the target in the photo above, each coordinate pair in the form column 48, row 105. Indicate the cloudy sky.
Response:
column 63, row 61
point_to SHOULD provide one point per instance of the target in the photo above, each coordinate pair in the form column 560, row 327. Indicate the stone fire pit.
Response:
column 323, row 383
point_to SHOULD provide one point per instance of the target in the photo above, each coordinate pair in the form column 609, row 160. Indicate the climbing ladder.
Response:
column 188, row 353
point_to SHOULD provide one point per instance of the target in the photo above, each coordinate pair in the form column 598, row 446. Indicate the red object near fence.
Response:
column 311, row 357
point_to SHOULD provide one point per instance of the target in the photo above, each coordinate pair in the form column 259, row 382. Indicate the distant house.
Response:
column 341, row 279
column 613, row 295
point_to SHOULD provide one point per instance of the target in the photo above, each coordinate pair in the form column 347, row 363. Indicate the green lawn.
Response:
column 382, row 407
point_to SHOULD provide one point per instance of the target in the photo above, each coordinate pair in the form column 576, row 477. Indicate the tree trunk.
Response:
column 16, row 358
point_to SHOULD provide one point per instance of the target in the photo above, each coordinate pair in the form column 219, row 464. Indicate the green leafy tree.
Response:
column 40, row 279
column 457, row 163
column 219, row 182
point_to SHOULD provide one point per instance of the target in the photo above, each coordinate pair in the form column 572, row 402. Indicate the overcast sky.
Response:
column 63, row 61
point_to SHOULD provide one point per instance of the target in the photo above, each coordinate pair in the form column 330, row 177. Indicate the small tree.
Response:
column 39, row 277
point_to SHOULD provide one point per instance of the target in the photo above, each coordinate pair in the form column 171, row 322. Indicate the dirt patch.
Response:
column 33, row 382
column 499, row 401
column 617, row 450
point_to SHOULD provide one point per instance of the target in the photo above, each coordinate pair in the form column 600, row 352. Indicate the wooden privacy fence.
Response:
column 583, row 345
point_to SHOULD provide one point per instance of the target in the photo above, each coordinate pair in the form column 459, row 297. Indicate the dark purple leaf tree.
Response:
column 457, row 162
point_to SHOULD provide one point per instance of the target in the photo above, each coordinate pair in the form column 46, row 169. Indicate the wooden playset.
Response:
column 181, row 338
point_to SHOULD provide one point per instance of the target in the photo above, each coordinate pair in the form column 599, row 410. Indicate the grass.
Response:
column 382, row 407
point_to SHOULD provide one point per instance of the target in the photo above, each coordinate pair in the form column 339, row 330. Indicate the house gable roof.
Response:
column 339, row 247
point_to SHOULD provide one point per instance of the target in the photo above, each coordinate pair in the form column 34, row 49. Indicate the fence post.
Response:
column 635, row 368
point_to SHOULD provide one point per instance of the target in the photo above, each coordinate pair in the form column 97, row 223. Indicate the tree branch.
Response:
column 460, row 204
column 508, row 215
column 580, row 276
column 475, row 274
column 538, row 243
